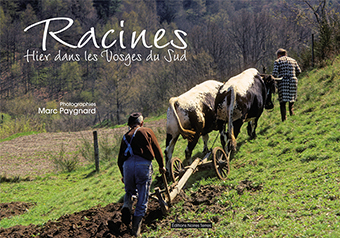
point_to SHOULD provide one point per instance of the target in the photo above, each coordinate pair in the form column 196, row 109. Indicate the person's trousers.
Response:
column 137, row 179
column 284, row 111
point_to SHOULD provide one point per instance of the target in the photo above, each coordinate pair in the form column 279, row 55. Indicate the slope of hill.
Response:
column 285, row 183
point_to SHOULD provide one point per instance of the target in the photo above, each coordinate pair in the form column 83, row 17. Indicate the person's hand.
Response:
column 162, row 170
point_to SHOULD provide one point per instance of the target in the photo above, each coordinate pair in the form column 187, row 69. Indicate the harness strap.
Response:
column 129, row 148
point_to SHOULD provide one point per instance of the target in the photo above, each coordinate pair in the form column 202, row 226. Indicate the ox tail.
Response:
column 231, row 137
column 187, row 134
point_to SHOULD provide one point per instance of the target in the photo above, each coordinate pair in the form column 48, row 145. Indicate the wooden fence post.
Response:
column 313, row 50
column 96, row 150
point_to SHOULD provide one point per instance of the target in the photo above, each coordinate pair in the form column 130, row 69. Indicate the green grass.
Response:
column 19, row 135
column 58, row 194
column 296, row 163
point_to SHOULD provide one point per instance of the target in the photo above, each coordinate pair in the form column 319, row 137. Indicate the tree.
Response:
column 250, row 34
column 115, row 90
column 70, row 76
column 106, row 8
column 10, row 35
column 168, row 10
column 322, row 17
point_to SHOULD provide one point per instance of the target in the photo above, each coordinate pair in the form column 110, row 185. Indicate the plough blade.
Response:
column 164, row 206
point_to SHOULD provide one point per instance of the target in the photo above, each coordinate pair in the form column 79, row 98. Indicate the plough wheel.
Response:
column 221, row 163
column 176, row 169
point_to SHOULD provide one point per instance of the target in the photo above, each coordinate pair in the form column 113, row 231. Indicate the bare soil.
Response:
column 106, row 221
column 13, row 209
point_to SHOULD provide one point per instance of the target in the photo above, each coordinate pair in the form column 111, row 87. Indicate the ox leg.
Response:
column 223, row 136
column 251, row 128
column 205, row 141
column 232, row 135
column 237, row 127
column 224, row 141
column 170, row 146
column 190, row 148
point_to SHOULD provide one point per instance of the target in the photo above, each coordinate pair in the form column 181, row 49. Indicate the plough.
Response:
column 180, row 175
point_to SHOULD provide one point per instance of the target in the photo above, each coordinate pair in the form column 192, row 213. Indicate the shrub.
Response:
column 65, row 163
column 87, row 150
column 19, row 125
column 109, row 150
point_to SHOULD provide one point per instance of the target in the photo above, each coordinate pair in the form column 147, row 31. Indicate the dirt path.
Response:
column 30, row 156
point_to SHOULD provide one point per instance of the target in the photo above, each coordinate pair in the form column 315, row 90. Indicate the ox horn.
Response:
column 278, row 79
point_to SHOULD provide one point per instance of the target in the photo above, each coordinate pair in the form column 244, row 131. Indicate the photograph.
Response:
column 169, row 118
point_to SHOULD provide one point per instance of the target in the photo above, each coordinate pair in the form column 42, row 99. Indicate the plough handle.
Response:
column 166, row 188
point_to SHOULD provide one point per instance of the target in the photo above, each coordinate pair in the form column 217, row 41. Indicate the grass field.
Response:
column 293, row 169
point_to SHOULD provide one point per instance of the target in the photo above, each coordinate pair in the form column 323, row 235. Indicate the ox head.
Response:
column 269, row 81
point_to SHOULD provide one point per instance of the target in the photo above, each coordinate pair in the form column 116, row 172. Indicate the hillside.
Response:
column 285, row 183
column 216, row 39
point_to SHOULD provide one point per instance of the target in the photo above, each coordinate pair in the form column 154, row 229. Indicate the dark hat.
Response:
column 135, row 118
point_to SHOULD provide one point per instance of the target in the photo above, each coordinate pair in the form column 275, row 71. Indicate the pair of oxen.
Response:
column 212, row 105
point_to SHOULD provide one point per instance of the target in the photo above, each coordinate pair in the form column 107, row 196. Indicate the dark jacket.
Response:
column 144, row 144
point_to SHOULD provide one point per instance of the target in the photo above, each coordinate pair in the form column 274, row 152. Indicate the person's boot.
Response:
column 137, row 225
column 291, row 108
column 126, row 210
column 283, row 111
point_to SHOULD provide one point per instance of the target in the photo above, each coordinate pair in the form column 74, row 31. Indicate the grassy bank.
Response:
column 58, row 194
column 294, row 169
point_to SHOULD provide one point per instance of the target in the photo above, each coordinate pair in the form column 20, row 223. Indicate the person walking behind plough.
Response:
column 138, row 148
